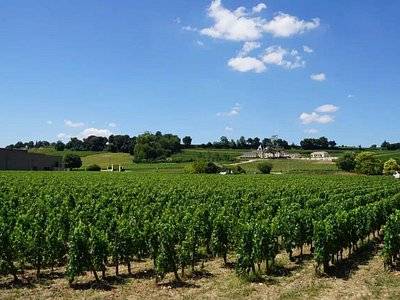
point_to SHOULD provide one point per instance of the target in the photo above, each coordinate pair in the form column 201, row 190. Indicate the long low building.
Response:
column 23, row 160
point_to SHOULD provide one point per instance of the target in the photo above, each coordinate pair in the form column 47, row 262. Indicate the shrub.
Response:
column 72, row 161
column 238, row 170
column 199, row 167
column 264, row 167
column 93, row 168
column 390, row 167
column 346, row 162
column 367, row 163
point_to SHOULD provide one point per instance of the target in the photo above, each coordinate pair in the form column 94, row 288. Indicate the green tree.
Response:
column 59, row 146
column 367, row 163
column 187, row 141
column 264, row 167
column 390, row 167
column 346, row 162
column 72, row 161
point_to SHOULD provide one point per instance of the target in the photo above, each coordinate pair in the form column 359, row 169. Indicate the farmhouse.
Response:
column 23, row 160
column 321, row 155
column 267, row 152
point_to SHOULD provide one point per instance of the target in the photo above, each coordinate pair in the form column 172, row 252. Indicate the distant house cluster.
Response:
column 23, row 160
column 274, row 153
column 267, row 152
column 320, row 155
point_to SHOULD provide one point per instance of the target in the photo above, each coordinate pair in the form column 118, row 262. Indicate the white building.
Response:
column 266, row 152
column 320, row 155
column 396, row 175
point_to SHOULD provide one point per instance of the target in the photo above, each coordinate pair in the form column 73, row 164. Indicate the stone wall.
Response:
column 22, row 160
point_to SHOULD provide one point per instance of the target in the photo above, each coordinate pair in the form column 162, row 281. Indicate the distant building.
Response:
column 321, row 155
column 23, row 160
column 267, row 152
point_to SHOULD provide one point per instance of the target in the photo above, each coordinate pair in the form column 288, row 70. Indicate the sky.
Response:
column 204, row 68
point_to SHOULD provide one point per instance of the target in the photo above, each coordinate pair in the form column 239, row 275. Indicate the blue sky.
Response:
column 201, row 68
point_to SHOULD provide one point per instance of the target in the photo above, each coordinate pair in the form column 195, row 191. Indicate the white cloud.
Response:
column 327, row 108
column 350, row 96
column 234, row 111
column 318, row 77
column 49, row 122
column 307, row 49
column 238, row 25
column 248, row 47
column 276, row 55
column 308, row 118
column 247, row 64
column 95, row 131
column 311, row 131
column 200, row 43
column 71, row 124
column 63, row 137
column 259, row 7
column 177, row 20
column 112, row 124
column 189, row 28
column 284, row 25
column 232, row 25
column 227, row 128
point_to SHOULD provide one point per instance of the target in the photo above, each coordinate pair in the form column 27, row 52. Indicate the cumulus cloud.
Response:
column 232, row 25
column 112, row 124
column 239, row 25
column 308, row 118
column 307, row 49
column 327, row 108
column 63, row 137
column 322, row 115
column 273, row 55
column 276, row 55
column 259, row 7
column 248, row 47
column 71, row 124
column 234, row 111
column 247, row 64
column 318, row 77
column 96, row 132
column 284, row 25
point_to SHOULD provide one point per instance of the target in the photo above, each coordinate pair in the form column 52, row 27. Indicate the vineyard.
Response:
column 105, row 223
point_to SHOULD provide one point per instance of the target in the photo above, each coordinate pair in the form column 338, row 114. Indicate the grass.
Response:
column 53, row 152
column 217, row 155
column 294, row 166
column 126, row 160
column 107, row 159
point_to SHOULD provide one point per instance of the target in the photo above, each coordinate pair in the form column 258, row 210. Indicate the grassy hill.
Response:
column 294, row 166
column 178, row 162
column 54, row 152
column 221, row 155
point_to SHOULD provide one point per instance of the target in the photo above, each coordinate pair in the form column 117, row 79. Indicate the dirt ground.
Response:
column 363, row 277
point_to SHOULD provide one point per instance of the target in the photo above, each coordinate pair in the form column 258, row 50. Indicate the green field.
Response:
column 178, row 162
column 54, row 152
column 102, row 235
column 217, row 155
column 294, row 166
